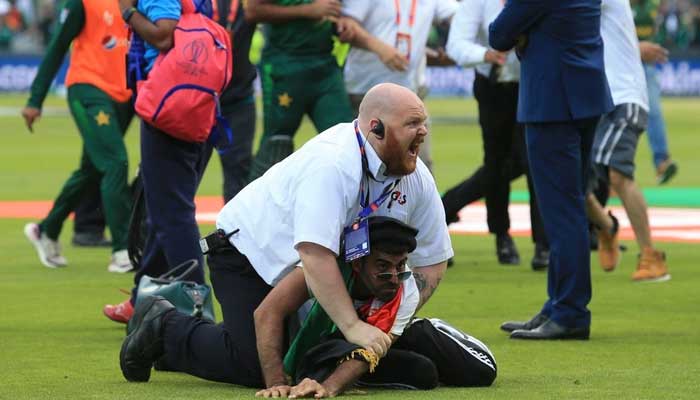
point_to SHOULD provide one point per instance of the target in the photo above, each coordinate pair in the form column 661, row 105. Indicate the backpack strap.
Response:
column 188, row 6
column 221, row 125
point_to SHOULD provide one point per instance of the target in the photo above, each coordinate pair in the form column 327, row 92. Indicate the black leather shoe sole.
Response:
column 536, row 321
column 144, row 345
column 551, row 331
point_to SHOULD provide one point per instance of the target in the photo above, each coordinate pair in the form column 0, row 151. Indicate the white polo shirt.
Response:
column 314, row 193
column 623, row 65
column 468, row 40
column 364, row 69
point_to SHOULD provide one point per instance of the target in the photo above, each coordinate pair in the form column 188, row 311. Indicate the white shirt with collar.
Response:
column 315, row 192
column 363, row 68
column 468, row 40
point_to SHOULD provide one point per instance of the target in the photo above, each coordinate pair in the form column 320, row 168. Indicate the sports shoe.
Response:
column 651, row 267
column 121, row 312
column 608, row 246
column 665, row 171
column 49, row 250
column 120, row 262
column 506, row 251
column 144, row 345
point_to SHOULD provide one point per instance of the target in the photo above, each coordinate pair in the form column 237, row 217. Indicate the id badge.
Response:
column 356, row 240
column 403, row 44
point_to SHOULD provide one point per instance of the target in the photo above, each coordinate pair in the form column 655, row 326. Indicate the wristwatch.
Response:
column 126, row 14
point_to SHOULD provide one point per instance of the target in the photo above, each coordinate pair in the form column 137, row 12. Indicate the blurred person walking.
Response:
column 645, row 13
column 615, row 145
column 401, row 28
column 99, row 102
column 505, row 156
column 299, row 74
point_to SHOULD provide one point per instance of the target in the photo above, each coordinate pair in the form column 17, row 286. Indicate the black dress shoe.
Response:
column 540, row 261
column 536, row 321
column 506, row 251
column 90, row 239
column 144, row 344
column 550, row 330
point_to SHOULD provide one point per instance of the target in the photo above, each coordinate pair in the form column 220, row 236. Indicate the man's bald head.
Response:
column 382, row 100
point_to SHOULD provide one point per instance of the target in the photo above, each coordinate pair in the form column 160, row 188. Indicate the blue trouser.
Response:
column 559, row 157
column 656, row 129
column 171, row 170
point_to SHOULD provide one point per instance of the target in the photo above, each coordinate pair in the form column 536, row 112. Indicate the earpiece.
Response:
column 378, row 129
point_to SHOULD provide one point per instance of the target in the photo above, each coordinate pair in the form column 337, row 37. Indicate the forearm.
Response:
column 323, row 278
column 427, row 279
column 55, row 52
column 262, row 11
column 269, row 336
column 345, row 375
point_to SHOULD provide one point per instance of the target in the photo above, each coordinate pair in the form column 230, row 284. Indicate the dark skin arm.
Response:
column 269, row 11
column 285, row 299
column 159, row 35
column 342, row 378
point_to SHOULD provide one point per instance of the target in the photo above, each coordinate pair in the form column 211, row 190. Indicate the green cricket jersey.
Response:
column 72, row 20
column 645, row 12
column 300, row 37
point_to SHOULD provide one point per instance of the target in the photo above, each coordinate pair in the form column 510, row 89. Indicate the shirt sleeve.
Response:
column 71, row 22
column 445, row 9
column 433, row 239
column 409, row 303
column 320, row 207
column 461, row 42
column 155, row 10
column 357, row 9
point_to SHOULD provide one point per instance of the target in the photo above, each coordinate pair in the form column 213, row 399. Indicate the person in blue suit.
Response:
column 563, row 92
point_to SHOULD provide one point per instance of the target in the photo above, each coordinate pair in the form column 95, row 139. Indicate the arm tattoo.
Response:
column 425, row 288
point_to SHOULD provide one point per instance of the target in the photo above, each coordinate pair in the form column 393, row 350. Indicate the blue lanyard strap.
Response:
column 368, row 209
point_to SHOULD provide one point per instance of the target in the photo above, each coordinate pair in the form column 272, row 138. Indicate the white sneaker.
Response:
column 49, row 251
column 120, row 262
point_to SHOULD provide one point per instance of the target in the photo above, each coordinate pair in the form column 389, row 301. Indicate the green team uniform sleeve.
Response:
column 72, row 20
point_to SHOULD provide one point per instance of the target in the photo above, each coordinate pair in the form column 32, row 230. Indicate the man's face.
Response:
column 404, row 133
column 379, row 262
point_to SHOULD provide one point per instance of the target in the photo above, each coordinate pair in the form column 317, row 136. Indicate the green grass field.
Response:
column 55, row 343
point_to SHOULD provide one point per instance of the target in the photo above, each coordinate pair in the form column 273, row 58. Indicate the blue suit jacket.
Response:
column 562, row 72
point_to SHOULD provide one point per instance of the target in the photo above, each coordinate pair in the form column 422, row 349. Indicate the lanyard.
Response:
column 411, row 16
column 367, row 207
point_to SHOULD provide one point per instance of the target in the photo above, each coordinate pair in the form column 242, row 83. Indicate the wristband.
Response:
column 128, row 13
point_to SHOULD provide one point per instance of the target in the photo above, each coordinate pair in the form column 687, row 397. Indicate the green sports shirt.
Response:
column 298, row 38
column 645, row 12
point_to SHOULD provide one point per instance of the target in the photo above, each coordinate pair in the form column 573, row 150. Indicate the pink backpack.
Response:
column 181, row 94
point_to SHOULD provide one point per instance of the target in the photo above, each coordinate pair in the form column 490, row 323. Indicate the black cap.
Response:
column 390, row 232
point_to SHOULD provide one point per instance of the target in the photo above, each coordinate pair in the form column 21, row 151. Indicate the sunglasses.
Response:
column 387, row 276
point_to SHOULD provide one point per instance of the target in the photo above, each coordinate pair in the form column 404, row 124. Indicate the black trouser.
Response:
column 89, row 217
column 221, row 352
column 505, row 159
column 422, row 356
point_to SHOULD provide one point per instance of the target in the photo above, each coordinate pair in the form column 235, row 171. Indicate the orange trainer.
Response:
column 651, row 267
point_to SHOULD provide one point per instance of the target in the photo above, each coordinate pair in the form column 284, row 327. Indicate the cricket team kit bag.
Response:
column 180, row 95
